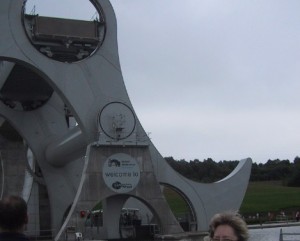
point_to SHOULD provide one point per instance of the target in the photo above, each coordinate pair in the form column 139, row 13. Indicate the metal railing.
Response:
column 282, row 235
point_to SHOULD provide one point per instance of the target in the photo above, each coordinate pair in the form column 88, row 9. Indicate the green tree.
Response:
column 294, row 180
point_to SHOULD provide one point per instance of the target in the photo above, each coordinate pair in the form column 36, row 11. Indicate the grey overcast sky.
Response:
column 209, row 78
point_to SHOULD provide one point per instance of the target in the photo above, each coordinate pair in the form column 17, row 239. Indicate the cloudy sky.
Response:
column 210, row 78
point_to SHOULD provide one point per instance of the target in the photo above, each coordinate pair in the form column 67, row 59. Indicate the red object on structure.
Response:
column 82, row 214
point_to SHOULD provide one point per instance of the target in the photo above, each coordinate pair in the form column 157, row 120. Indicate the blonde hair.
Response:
column 232, row 219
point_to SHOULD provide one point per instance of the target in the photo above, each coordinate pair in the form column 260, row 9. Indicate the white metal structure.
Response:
column 81, row 77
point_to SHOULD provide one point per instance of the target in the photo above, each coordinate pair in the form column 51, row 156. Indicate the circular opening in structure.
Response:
column 180, row 207
column 66, row 31
column 15, row 156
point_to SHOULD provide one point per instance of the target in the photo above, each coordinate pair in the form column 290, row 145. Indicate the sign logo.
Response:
column 121, row 173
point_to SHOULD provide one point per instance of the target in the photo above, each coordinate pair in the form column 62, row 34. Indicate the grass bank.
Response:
column 264, row 198
column 269, row 200
column 270, row 197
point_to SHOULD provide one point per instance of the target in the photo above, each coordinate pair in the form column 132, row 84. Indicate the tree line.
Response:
column 210, row 171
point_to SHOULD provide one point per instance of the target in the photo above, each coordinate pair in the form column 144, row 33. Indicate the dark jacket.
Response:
column 7, row 236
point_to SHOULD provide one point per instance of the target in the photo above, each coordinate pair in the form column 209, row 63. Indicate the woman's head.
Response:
column 13, row 213
column 228, row 226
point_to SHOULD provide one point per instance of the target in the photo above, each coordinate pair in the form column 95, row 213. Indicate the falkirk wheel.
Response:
column 56, row 72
